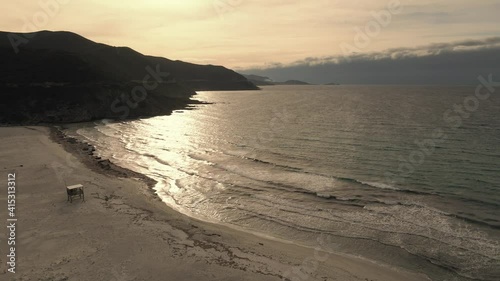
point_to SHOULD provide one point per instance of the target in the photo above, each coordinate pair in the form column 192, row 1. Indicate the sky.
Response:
column 245, row 34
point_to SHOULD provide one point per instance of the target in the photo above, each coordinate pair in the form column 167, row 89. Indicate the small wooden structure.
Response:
column 75, row 190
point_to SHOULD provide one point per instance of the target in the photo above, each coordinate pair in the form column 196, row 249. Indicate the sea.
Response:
column 405, row 176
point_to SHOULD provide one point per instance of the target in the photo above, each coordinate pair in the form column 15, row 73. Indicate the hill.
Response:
column 123, row 63
column 64, row 77
column 292, row 82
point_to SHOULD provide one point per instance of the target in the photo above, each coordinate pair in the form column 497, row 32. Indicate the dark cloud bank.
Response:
column 448, row 63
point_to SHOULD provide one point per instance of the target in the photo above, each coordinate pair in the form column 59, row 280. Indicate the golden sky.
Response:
column 244, row 33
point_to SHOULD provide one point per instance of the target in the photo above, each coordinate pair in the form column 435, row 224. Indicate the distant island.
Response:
column 49, row 77
column 292, row 82
column 266, row 81
column 259, row 80
column 332, row 84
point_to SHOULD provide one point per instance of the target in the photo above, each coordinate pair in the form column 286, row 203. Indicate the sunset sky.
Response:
column 243, row 33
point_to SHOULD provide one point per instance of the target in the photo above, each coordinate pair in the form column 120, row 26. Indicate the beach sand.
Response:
column 124, row 232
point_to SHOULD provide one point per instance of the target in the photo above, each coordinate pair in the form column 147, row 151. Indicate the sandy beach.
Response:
column 122, row 231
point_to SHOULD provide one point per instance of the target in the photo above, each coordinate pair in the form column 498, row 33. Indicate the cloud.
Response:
column 396, row 53
column 441, row 63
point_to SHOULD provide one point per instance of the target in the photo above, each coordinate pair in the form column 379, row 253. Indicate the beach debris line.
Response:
column 88, row 155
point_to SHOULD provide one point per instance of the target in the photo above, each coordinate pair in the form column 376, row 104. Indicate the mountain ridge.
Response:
column 63, row 77
column 126, row 63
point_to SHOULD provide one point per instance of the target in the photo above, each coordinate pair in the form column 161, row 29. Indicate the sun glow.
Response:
column 239, row 34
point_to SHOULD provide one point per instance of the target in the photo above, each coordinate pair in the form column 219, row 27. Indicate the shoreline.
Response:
column 148, row 238
column 85, row 153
